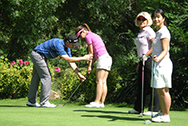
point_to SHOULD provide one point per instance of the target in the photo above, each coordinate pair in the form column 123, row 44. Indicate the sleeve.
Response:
column 165, row 34
column 60, row 49
column 150, row 33
column 69, row 52
column 88, row 40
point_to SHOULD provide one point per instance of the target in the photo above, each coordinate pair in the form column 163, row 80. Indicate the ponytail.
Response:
column 83, row 26
column 86, row 26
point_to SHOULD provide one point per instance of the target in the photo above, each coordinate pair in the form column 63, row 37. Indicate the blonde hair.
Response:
column 146, row 15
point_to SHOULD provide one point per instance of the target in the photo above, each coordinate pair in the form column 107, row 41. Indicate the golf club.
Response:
column 60, row 105
column 153, row 90
column 153, row 74
column 142, row 95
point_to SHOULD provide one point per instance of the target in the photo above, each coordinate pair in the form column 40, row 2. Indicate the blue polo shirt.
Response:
column 53, row 48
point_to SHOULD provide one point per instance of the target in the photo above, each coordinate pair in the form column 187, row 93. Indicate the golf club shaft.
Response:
column 74, row 91
column 142, row 95
column 72, row 94
column 152, row 89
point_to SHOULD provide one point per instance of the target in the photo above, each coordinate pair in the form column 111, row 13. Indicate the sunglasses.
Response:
column 141, row 19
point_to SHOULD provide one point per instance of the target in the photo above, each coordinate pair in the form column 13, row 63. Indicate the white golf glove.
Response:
column 144, row 58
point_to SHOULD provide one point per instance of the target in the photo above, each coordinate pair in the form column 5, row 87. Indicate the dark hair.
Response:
column 84, row 26
column 160, row 11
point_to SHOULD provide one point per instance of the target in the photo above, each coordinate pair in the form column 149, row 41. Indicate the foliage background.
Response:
column 26, row 23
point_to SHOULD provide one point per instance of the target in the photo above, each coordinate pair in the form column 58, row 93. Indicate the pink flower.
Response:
column 57, row 69
column 20, row 62
column 12, row 63
column 26, row 62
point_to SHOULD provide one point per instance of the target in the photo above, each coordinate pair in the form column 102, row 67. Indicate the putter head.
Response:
column 141, row 114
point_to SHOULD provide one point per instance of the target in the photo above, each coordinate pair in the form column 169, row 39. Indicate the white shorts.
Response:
column 104, row 62
column 163, row 76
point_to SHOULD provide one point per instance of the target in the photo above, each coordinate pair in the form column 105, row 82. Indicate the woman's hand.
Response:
column 155, row 58
column 89, row 69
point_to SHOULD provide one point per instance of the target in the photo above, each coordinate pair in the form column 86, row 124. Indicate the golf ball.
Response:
column 60, row 105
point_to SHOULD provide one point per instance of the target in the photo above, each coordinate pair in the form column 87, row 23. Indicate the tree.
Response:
column 22, row 24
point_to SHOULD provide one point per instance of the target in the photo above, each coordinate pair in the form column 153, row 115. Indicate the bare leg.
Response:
column 101, row 77
column 105, row 89
column 165, row 100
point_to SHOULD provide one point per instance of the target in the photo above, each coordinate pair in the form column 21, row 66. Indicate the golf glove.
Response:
column 144, row 57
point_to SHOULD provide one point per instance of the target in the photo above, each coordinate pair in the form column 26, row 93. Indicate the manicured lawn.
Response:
column 16, row 113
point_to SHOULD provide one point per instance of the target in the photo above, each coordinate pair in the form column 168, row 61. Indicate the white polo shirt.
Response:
column 157, row 45
column 142, row 41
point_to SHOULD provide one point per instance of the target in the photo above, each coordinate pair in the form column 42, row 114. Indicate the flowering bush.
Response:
column 12, row 63
column 26, row 62
column 15, row 78
column 66, row 81
column 19, row 63
column 57, row 69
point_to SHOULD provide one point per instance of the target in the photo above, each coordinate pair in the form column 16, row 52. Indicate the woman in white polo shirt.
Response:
column 163, row 71
column 143, row 42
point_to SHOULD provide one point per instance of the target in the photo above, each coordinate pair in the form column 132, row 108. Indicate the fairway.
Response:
column 16, row 113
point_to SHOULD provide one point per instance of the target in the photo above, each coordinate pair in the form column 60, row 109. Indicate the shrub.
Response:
column 66, row 81
column 15, row 78
column 87, row 91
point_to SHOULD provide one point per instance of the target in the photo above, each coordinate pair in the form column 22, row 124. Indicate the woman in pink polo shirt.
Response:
column 104, row 61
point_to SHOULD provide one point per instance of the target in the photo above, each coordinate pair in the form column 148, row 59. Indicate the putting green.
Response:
column 16, row 113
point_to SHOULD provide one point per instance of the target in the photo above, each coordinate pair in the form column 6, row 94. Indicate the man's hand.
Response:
column 82, row 78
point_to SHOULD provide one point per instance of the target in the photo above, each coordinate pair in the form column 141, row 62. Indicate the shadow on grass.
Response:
column 100, row 111
column 114, row 118
column 12, row 106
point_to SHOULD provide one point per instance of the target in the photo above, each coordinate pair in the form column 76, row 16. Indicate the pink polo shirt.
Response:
column 99, row 48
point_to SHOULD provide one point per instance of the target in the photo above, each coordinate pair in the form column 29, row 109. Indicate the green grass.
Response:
column 16, row 113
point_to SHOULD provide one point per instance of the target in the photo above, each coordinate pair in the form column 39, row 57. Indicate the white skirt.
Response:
column 104, row 62
column 162, row 76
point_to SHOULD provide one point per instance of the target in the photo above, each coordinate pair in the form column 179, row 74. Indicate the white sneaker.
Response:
column 158, row 114
column 133, row 111
column 93, row 104
column 149, row 113
column 102, row 105
column 32, row 104
column 162, row 118
column 48, row 105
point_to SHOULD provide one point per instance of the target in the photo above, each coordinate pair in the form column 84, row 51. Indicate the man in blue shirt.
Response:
column 51, row 49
